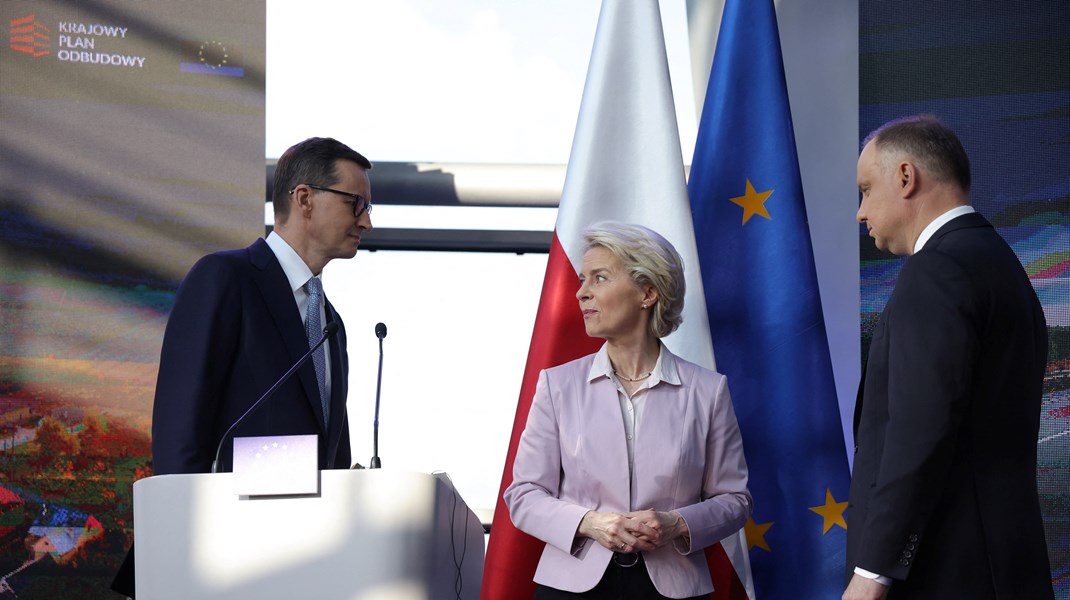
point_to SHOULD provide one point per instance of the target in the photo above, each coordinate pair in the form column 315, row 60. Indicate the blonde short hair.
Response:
column 649, row 259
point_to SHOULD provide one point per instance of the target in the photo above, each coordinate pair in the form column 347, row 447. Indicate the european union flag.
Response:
column 765, row 311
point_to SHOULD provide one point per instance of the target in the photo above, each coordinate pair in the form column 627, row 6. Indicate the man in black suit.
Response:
column 943, row 497
column 241, row 318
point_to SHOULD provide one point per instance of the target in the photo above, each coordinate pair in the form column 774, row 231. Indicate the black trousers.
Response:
column 618, row 583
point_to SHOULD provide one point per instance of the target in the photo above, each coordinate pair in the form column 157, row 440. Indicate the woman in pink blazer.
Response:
column 631, row 462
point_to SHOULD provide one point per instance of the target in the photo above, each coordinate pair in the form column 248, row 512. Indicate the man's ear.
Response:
column 301, row 200
column 907, row 178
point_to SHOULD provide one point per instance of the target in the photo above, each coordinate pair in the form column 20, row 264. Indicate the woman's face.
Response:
column 611, row 302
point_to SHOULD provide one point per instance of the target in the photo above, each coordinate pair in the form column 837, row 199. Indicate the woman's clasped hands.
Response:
column 636, row 531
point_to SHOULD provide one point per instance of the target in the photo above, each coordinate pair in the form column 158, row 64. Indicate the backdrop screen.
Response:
column 999, row 75
column 132, row 143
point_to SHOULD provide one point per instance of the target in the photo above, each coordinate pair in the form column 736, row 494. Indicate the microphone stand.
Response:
column 375, row 463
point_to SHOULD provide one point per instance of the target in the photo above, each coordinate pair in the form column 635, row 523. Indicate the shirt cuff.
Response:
column 881, row 579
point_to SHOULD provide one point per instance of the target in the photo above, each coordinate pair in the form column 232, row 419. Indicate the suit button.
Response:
column 912, row 546
column 913, row 537
column 907, row 554
column 904, row 562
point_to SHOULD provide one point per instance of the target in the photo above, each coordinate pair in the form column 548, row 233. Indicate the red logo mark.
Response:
column 30, row 36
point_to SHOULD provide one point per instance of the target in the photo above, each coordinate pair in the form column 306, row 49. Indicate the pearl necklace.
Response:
column 633, row 380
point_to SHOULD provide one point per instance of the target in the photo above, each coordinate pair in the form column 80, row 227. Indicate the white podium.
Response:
column 368, row 535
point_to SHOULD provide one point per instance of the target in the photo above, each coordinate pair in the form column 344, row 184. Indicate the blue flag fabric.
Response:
column 765, row 312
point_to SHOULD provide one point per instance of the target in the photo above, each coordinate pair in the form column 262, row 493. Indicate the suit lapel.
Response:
column 274, row 288
column 858, row 398
column 339, row 384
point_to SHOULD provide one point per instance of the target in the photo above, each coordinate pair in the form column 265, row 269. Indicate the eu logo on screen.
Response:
column 212, row 57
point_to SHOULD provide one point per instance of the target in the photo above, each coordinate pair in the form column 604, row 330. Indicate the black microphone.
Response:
column 328, row 331
column 380, row 332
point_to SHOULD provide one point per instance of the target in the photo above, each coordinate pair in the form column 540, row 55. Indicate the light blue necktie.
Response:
column 314, row 330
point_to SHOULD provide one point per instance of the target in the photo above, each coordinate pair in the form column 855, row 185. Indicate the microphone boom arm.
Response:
column 328, row 331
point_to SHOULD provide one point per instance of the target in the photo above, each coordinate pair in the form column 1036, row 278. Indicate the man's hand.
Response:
column 862, row 588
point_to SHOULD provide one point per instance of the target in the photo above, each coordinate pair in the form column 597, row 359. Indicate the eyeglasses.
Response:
column 360, row 203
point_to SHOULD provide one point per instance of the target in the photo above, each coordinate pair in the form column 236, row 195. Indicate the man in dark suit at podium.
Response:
column 943, row 499
column 242, row 318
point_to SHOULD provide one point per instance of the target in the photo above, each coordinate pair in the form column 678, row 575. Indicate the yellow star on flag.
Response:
column 756, row 534
column 753, row 203
column 831, row 511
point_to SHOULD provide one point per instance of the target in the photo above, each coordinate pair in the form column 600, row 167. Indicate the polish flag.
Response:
column 626, row 165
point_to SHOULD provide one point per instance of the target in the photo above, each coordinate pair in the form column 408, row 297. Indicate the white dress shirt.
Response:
column 631, row 408
column 298, row 274
column 939, row 222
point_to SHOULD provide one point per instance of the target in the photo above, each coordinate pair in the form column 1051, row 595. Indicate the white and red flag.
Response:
column 626, row 165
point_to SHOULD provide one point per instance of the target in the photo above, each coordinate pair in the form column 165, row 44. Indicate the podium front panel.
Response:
column 367, row 535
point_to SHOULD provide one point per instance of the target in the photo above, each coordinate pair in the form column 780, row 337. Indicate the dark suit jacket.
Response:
column 234, row 330
column 944, row 494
